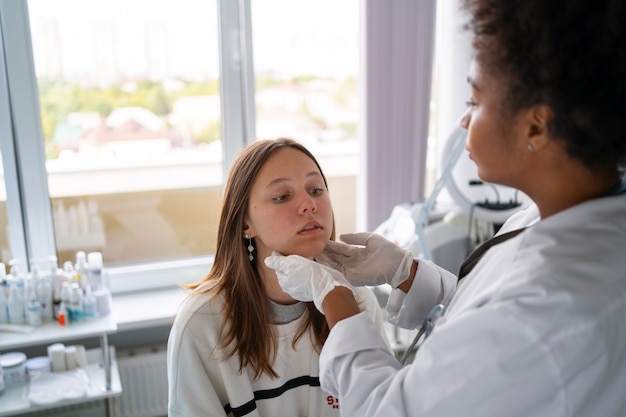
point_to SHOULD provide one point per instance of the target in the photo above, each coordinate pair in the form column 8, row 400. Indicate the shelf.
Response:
column 15, row 400
column 53, row 332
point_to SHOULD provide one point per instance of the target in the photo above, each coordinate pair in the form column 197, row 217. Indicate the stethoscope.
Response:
column 427, row 327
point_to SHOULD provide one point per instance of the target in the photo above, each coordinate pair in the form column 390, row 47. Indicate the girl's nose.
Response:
column 308, row 205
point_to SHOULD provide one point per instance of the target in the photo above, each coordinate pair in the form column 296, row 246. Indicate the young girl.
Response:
column 240, row 346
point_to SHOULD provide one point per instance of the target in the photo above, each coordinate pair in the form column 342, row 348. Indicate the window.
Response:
column 120, row 137
column 5, row 241
column 306, row 86
column 130, row 119
column 11, row 238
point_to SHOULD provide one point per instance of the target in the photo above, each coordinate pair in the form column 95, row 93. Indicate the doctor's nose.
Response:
column 465, row 118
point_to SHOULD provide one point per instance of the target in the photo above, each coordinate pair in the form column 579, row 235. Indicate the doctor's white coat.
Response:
column 537, row 328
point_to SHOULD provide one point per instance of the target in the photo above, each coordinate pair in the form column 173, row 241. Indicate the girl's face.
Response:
column 494, row 141
column 289, row 209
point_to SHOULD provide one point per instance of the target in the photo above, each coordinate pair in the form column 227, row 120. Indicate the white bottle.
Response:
column 82, row 269
column 89, row 304
column 33, row 308
column 44, row 294
column 61, row 222
column 98, row 283
column 4, row 312
column 94, row 260
column 82, row 216
column 69, row 274
column 4, row 308
column 15, row 304
column 55, row 275
column 72, row 222
column 96, row 224
column 76, row 303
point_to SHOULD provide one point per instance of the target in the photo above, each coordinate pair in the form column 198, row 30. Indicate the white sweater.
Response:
column 203, row 383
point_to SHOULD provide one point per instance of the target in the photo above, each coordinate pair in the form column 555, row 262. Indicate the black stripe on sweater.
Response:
column 266, row 394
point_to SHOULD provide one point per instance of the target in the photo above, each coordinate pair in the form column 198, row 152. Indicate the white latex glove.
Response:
column 374, row 261
column 304, row 279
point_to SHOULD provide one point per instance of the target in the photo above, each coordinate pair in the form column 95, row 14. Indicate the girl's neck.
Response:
column 272, row 288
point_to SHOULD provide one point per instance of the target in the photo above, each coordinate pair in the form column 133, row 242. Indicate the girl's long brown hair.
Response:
column 247, row 329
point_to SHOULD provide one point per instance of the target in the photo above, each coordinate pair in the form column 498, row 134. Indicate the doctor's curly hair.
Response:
column 567, row 54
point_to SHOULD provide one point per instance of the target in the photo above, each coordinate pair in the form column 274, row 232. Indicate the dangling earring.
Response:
column 250, row 248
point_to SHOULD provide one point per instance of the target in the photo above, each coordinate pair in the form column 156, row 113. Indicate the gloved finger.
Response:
column 278, row 262
column 338, row 250
column 331, row 260
column 287, row 264
column 359, row 239
column 326, row 258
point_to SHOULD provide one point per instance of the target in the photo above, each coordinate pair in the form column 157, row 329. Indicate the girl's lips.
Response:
column 310, row 228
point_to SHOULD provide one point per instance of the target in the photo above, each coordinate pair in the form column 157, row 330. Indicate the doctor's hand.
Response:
column 304, row 279
column 374, row 261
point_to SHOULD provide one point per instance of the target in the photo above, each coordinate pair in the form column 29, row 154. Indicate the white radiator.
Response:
column 143, row 374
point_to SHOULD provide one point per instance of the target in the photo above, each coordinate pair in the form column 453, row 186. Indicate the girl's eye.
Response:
column 280, row 197
column 470, row 103
column 317, row 191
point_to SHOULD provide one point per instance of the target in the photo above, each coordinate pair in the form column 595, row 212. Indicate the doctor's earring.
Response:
column 531, row 147
column 250, row 248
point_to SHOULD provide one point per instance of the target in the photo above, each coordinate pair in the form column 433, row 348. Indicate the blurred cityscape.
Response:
column 141, row 84
column 130, row 115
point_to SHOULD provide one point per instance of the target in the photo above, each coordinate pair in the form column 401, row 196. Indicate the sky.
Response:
column 84, row 37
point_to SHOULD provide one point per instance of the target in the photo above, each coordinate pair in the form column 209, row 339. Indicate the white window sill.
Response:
column 151, row 308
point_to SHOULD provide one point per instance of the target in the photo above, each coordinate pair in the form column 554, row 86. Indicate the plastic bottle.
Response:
column 81, row 268
column 76, row 303
column 61, row 318
column 64, row 307
column 96, row 224
column 4, row 312
column 61, row 221
column 4, row 308
column 55, row 277
column 15, row 283
column 69, row 274
column 94, row 261
column 15, row 303
column 98, row 283
column 72, row 222
column 33, row 307
column 89, row 304
column 44, row 294
column 83, row 219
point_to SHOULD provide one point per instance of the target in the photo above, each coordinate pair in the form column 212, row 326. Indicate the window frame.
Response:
column 29, row 209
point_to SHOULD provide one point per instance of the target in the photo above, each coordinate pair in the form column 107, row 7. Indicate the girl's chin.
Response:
column 309, row 251
column 304, row 255
column 310, row 254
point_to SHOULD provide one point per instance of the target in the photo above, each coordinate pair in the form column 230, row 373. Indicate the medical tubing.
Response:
column 427, row 327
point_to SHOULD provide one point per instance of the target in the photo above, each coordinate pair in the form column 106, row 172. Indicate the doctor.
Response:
column 537, row 325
